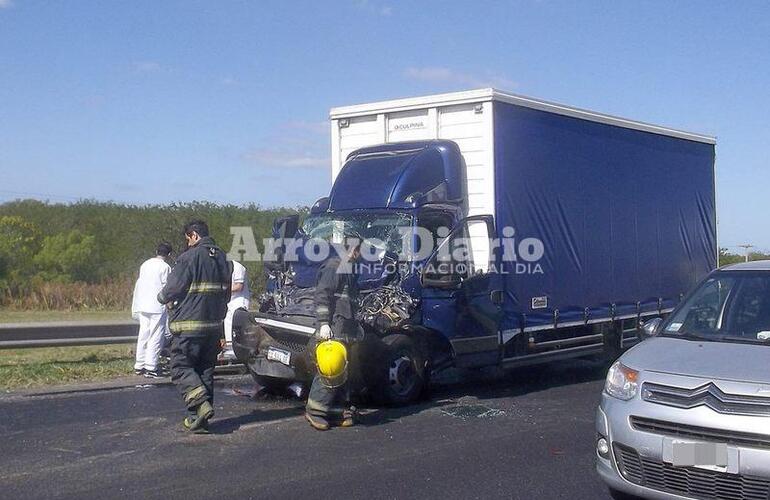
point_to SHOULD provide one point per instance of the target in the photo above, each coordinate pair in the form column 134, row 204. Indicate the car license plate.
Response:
column 279, row 355
column 717, row 457
column 687, row 454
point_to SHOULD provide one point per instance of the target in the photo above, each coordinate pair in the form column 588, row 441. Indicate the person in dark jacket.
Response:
column 196, row 293
column 335, row 302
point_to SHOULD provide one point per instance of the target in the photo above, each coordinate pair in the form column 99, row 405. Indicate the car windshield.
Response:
column 372, row 226
column 727, row 307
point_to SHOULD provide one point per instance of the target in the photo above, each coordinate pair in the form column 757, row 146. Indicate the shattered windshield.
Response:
column 728, row 307
column 377, row 226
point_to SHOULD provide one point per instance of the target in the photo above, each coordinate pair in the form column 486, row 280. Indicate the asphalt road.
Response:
column 527, row 434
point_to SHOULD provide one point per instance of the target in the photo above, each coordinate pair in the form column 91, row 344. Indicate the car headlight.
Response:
column 622, row 382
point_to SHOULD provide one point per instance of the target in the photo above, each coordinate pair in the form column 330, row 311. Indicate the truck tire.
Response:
column 405, row 371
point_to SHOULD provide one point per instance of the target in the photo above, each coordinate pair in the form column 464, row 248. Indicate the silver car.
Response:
column 686, row 413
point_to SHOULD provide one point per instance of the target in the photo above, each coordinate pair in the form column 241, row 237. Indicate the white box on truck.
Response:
column 463, row 117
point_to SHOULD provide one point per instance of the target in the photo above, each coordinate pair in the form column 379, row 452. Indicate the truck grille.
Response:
column 289, row 340
column 706, row 395
column 745, row 439
column 292, row 346
column 688, row 481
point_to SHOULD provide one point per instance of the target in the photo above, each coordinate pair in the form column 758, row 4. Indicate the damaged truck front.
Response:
column 565, row 230
column 387, row 195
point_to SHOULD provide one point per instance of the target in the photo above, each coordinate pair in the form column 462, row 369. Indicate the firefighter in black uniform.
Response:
column 335, row 308
column 196, row 293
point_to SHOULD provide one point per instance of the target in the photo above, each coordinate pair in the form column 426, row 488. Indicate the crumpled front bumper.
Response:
column 255, row 333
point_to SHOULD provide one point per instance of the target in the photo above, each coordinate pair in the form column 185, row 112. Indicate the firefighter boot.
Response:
column 349, row 417
column 196, row 425
column 205, row 411
column 199, row 422
column 316, row 422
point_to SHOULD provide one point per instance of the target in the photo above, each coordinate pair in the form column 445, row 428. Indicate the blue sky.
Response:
column 158, row 101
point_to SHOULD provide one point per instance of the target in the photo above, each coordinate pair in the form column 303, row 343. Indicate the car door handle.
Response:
column 496, row 296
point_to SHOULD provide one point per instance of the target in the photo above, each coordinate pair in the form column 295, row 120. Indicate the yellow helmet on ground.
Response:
column 331, row 357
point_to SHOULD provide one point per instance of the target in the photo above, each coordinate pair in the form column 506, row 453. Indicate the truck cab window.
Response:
column 465, row 253
column 431, row 222
column 479, row 246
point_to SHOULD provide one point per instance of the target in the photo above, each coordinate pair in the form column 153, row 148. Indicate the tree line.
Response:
column 726, row 257
column 55, row 255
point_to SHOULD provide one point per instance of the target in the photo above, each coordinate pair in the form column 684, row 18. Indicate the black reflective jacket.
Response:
column 198, row 288
column 335, row 298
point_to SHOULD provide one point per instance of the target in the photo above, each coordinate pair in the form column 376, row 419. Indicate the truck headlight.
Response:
column 622, row 382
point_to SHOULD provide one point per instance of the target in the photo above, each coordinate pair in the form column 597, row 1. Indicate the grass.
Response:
column 26, row 368
column 7, row 316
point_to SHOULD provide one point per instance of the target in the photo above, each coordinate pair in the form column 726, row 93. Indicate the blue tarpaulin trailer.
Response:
column 627, row 217
column 581, row 226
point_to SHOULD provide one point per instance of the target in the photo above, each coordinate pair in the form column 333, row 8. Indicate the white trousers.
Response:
column 152, row 327
column 231, row 308
column 229, row 325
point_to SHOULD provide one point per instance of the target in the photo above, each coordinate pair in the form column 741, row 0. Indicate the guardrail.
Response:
column 80, row 333
column 71, row 333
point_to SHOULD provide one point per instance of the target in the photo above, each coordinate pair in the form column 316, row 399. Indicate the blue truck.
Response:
column 581, row 226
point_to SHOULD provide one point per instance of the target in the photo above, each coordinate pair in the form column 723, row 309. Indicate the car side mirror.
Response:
column 650, row 327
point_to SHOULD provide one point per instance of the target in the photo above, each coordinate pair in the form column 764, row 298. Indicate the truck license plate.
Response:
column 279, row 355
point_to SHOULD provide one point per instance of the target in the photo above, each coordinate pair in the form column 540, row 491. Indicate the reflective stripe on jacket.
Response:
column 198, row 288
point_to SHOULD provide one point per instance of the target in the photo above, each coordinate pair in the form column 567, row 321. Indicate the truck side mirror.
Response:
column 650, row 328
column 320, row 206
column 283, row 227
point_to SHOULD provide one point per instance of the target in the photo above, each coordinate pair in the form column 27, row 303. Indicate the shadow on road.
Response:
column 230, row 425
column 494, row 384
column 448, row 390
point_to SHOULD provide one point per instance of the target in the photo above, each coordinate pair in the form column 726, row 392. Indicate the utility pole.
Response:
column 748, row 248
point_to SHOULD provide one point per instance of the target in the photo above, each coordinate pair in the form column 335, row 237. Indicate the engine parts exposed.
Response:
column 386, row 308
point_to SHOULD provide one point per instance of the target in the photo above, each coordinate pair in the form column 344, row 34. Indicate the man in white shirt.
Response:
column 150, row 313
column 239, row 299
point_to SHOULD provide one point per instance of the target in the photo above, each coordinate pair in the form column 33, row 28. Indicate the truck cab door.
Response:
column 462, row 271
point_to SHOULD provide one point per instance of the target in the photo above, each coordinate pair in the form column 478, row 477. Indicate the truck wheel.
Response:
column 406, row 377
